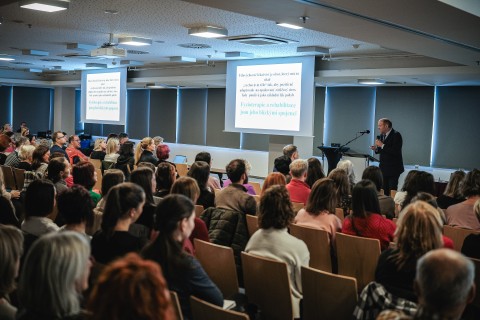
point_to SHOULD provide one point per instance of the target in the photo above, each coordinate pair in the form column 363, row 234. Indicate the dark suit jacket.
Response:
column 391, row 161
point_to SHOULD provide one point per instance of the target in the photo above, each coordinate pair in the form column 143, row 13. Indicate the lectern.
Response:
column 333, row 155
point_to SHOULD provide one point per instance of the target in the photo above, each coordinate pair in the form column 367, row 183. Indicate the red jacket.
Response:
column 298, row 190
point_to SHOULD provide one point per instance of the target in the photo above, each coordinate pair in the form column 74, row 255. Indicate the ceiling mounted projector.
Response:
column 111, row 53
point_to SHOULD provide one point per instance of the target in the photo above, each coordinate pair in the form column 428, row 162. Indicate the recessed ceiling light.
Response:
column 208, row 32
column 288, row 25
column 110, row 11
column 371, row 81
column 31, row 52
column 6, row 58
column 182, row 59
column 135, row 41
column 239, row 55
column 44, row 5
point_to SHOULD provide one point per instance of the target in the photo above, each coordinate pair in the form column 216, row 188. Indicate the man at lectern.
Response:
column 389, row 146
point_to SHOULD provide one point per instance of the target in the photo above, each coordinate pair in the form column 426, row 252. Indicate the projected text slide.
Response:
column 268, row 96
column 103, row 96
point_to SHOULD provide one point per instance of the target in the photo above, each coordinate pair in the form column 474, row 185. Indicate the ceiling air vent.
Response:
column 259, row 40
column 194, row 46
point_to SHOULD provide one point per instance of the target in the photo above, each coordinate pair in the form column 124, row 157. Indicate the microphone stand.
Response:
column 356, row 137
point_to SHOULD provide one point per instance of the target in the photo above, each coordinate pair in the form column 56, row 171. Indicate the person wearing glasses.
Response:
column 73, row 150
column 59, row 140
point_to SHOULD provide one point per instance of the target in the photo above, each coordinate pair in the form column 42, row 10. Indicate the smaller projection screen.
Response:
column 104, row 95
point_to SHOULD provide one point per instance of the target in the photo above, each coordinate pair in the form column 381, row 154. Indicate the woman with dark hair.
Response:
column 126, row 160
column 452, row 194
column 273, row 241
column 365, row 220
column 344, row 198
column 75, row 207
column 165, row 176
column 462, row 214
column 273, row 179
column 131, row 288
column 175, row 221
column 200, row 171
column 11, row 249
column 84, row 174
column 40, row 159
column 387, row 206
column 420, row 182
column 57, row 171
column 314, row 172
column 144, row 178
column 123, row 206
column 319, row 212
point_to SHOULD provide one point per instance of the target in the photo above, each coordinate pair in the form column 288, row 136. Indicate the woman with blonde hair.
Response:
column 419, row 230
column 99, row 149
column 453, row 193
column 113, row 146
column 144, row 151
column 274, row 178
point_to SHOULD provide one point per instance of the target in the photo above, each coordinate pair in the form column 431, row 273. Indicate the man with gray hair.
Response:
column 297, row 187
column 290, row 153
column 444, row 284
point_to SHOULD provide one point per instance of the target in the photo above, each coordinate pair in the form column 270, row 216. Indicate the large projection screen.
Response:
column 270, row 96
column 104, row 95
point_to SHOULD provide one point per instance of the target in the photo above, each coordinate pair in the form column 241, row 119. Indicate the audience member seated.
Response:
column 235, row 196
column 7, row 210
column 59, row 139
column 4, row 144
column 387, row 205
column 113, row 146
column 273, row 179
column 123, row 206
column 12, row 159
column 314, row 172
column 122, row 137
column 126, row 159
column 162, row 150
column 25, row 156
column 165, row 177
column 23, row 126
column 12, row 144
column 282, row 163
column 40, row 159
column 7, row 127
column 249, row 187
column 131, row 288
column 452, row 194
column 344, row 198
column 39, row 211
column 273, row 241
column 54, row 274
column 444, row 284
column 175, row 221
column 297, row 188
column 111, row 178
column 75, row 209
column 419, row 230
column 11, row 248
column 365, row 220
column 73, row 150
column 320, row 210
column 84, row 174
column 145, row 179
column 57, row 171
column 200, row 171
column 471, row 244
column 461, row 214
column 420, row 182
column 99, row 149
column 213, row 183
column 347, row 166
column 188, row 187
column 400, row 195
column 144, row 152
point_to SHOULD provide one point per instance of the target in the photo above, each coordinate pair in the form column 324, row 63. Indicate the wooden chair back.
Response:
column 256, row 187
column 202, row 310
column 182, row 169
column 357, row 257
column 8, row 178
column 327, row 295
column 340, row 214
column 476, row 300
column 268, row 286
column 98, row 184
column 458, row 235
column 97, row 163
column 318, row 244
column 219, row 263
column 252, row 224
column 297, row 206
column 176, row 305
column 19, row 175
column 198, row 210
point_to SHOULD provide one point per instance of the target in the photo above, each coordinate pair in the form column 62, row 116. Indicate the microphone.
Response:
column 366, row 131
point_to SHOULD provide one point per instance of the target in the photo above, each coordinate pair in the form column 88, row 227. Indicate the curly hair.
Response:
column 131, row 288
column 275, row 210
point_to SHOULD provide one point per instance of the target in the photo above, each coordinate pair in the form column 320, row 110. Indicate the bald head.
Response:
column 445, row 281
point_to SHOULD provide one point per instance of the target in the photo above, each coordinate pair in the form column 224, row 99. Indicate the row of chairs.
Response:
column 13, row 177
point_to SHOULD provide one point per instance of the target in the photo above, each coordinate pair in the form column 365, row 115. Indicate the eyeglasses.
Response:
column 61, row 137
